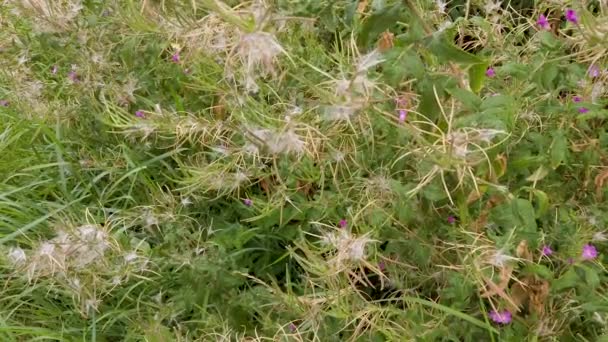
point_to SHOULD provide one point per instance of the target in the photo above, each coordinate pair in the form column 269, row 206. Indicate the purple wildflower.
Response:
column 248, row 202
column 4, row 103
column 381, row 266
column 577, row 99
column 490, row 72
column 583, row 110
column 73, row 76
column 546, row 251
column 292, row 327
column 594, row 71
column 175, row 57
column 503, row 317
column 571, row 16
column 402, row 115
column 140, row 114
column 543, row 23
column 343, row 223
column 451, row 219
column 589, row 252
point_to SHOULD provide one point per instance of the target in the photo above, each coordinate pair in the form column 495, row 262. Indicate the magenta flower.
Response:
column 546, row 251
column 594, row 71
column 451, row 219
column 175, row 57
column 503, row 317
column 402, row 115
column 292, row 327
column 4, row 103
column 583, row 110
column 343, row 223
column 571, row 16
column 577, row 99
column 382, row 266
column 490, row 72
column 248, row 202
column 140, row 114
column 589, row 252
column 543, row 23
column 73, row 76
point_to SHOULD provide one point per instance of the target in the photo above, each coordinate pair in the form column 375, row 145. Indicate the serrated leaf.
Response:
column 591, row 277
column 446, row 51
column 378, row 22
column 559, row 149
column 539, row 270
column 468, row 99
column 568, row 280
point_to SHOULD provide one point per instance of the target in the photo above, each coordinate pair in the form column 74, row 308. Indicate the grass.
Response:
column 303, row 171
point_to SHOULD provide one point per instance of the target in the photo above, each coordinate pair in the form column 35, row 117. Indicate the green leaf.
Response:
column 559, row 149
column 477, row 74
column 448, row 52
column 525, row 212
column 378, row 22
column 542, row 203
column 568, row 280
column 539, row 270
column 591, row 277
column 468, row 99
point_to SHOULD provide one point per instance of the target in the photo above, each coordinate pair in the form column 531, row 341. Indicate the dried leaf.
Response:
column 600, row 179
column 362, row 6
column 519, row 295
column 523, row 251
column 386, row 41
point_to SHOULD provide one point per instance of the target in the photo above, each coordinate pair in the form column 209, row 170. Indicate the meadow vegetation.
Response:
column 303, row 170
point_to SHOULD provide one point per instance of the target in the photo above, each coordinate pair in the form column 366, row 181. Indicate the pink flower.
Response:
column 343, row 223
column 543, row 23
column 583, row 110
column 248, row 202
column 589, row 252
column 451, row 219
column 503, row 317
column 594, row 71
column 4, row 103
column 402, row 115
column 292, row 327
column 175, row 57
column 571, row 16
column 140, row 114
column 73, row 76
column 546, row 251
column 577, row 99
column 490, row 72
column 382, row 266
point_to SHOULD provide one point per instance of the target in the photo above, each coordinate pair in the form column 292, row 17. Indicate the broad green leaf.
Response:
column 378, row 22
column 446, row 51
column 525, row 212
column 559, row 149
column 542, row 202
column 468, row 99
column 539, row 270
column 539, row 174
column 477, row 74
column 568, row 280
column 591, row 277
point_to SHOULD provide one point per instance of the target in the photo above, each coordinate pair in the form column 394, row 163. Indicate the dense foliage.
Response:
column 303, row 170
